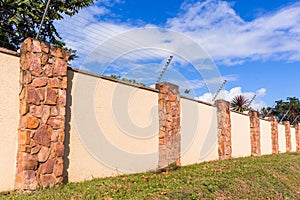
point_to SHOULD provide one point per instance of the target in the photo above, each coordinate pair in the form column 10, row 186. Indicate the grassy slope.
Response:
column 273, row 177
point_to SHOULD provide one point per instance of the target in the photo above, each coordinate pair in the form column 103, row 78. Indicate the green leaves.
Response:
column 21, row 19
column 239, row 103
column 288, row 110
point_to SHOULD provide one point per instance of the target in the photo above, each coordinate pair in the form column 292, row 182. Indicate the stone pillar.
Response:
column 288, row 136
column 255, row 133
column 169, row 124
column 274, row 134
column 297, row 129
column 43, row 83
column 224, row 129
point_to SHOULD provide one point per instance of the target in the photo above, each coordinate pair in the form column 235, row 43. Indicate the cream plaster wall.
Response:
column 240, row 135
column 199, row 139
column 265, row 137
column 293, row 139
column 281, row 138
column 9, row 118
column 114, row 128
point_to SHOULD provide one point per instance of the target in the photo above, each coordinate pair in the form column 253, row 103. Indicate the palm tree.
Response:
column 239, row 103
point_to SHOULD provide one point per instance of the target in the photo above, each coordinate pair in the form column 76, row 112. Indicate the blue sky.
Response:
column 254, row 45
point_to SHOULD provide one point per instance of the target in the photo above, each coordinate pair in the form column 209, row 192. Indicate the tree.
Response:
column 265, row 112
column 239, row 103
column 132, row 81
column 288, row 110
column 20, row 19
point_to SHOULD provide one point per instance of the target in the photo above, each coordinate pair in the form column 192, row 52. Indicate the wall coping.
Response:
column 9, row 52
column 198, row 101
column 111, row 79
column 130, row 84
column 146, row 88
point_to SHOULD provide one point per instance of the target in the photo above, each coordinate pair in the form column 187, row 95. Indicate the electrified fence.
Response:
column 60, row 124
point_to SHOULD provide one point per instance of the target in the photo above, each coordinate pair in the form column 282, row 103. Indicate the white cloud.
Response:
column 228, row 38
column 229, row 95
column 213, row 24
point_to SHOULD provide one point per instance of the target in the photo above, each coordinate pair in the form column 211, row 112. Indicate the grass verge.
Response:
column 265, row 177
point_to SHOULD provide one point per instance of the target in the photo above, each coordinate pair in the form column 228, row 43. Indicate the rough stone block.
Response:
column 47, row 180
column 48, row 69
column 24, row 107
column 25, row 77
column 32, row 96
column 51, row 96
column 54, row 82
column 47, row 167
column 30, row 163
column 42, row 135
column 58, row 167
column 39, row 82
column 43, row 154
column 36, row 46
column 57, row 122
column 60, row 67
column 30, row 122
column 34, row 62
column 24, row 136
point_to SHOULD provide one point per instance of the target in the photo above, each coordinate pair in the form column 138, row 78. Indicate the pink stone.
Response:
column 24, row 62
column 36, row 111
column 30, row 163
column 54, row 82
column 48, row 70
column 30, row 180
column 61, row 135
column 44, row 58
column 51, row 96
column 39, row 82
column 25, row 77
column 59, row 53
column 41, row 93
column 42, row 135
column 59, row 149
column 45, row 47
column 34, row 62
column 54, row 111
column 47, row 167
column 36, row 46
column 54, row 136
column 47, row 180
column 58, row 167
column 35, row 149
column 62, row 97
column 57, row 122
column 62, row 111
column 25, row 46
column 46, row 114
column 60, row 67
column 43, row 154
column 32, row 96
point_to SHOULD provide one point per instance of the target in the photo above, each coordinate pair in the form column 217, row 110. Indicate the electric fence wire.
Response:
column 106, row 34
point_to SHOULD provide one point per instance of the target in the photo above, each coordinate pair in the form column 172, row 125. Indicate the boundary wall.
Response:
column 60, row 124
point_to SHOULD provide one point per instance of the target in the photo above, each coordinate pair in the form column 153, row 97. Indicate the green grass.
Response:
column 266, row 177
